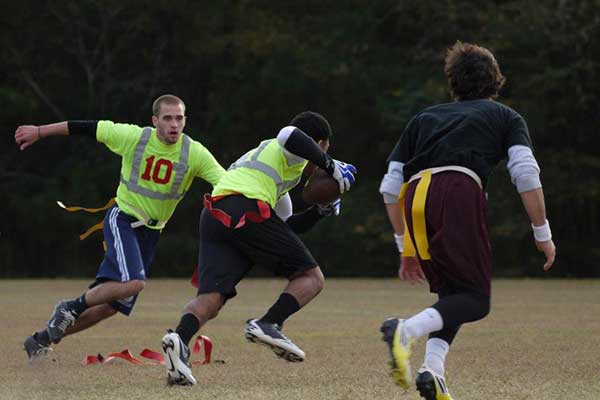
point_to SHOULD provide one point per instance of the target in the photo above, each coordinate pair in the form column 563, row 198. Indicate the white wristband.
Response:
column 542, row 233
column 399, row 242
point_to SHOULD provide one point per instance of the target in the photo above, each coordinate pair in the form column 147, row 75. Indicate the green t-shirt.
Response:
column 163, row 175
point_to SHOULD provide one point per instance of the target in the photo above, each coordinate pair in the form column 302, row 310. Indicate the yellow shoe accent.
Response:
column 432, row 386
column 399, row 345
column 401, row 354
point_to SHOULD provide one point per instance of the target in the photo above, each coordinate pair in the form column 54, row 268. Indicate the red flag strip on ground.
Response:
column 202, row 342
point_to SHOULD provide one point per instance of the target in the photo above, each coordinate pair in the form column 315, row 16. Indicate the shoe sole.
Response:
column 400, row 372
column 429, row 390
column 279, row 351
column 175, row 376
column 426, row 386
column 36, row 353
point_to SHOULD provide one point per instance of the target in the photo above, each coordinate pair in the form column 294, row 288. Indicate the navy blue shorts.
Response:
column 129, row 253
column 227, row 253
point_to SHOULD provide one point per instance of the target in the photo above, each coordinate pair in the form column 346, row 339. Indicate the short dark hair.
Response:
column 313, row 124
column 472, row 72
column 166, row 99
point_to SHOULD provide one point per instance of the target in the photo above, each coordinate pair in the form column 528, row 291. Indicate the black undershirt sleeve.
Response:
column 83, row 128
column 303, row 221
column 302, row 145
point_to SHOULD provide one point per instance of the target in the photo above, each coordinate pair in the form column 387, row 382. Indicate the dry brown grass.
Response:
column 541, row 341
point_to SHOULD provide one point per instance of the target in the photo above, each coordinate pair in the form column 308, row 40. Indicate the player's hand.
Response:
column 330, row 209
column 411, row 271
column 26, row 135
column 549, row 251
column 344, row 174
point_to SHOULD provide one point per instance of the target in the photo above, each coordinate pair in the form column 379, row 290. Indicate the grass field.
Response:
column 541, row 341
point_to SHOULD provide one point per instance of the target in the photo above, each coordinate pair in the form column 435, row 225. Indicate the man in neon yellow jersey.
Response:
column 158, row 167
column 240, row 226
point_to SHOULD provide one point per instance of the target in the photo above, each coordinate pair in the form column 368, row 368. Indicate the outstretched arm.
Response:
column 26, row 135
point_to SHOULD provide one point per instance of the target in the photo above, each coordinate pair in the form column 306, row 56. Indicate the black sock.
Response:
column 285, row 306
column 42, row 337
column 78, row 305
column 187, row 328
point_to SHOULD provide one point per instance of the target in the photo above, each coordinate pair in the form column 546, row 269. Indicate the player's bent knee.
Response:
column 484, row 305
column 206, row 306
column 486, row 308
column 317, row 279
column 135, row 286
column 107, row 311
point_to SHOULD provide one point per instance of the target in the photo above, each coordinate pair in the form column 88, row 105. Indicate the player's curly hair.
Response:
column 313, row 124
column 473, row 72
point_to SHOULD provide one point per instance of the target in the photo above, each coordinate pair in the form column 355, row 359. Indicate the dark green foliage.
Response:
column 245, row 68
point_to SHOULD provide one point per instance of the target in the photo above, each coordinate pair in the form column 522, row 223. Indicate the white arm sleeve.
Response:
column 283, row 207
column 282, row 139
column 392, row 182
column 523, row 168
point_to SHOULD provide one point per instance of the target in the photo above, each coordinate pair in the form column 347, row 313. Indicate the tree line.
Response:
column 245, row 68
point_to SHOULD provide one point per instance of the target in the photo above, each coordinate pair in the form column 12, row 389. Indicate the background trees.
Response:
column 245, row 68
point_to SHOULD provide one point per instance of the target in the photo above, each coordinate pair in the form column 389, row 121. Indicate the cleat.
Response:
column 61, row 319
column 177, row 356
column 431, row 386
column 34, row 349
column 270, row 335
column 399, row 344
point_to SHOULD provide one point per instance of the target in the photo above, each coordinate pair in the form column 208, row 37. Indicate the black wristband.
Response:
column 84, row 128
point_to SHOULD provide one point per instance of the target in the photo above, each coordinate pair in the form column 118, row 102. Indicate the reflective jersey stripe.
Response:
column 180, row 168
column 253, row 163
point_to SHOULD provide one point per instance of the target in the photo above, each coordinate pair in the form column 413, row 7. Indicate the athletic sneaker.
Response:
column 399, row 344
column 177, row 356
column 270, row 335
column 431, row 386
column 61, row 319
column 35, row 349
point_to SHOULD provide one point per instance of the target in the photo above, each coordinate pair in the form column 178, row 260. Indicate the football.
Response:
column 320, row 188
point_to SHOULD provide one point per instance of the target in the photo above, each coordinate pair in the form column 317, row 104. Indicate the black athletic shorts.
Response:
column 227, row 254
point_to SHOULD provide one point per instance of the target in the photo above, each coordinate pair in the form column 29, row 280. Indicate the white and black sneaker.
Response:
column 34, row 349
column 270, row 335
column 61, row 319
column 177, row 356
column 432, row 386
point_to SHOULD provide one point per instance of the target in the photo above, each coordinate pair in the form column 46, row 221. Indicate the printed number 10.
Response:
column 157, row 169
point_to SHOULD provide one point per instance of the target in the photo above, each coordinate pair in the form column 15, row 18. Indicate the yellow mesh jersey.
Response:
column 264, row 173
column 155, row 176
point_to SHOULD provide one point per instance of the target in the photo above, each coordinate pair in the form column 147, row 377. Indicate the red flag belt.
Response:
column 202, row 342
column 264, row 212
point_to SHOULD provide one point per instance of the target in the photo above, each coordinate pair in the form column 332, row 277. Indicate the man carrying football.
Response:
column 239, row 228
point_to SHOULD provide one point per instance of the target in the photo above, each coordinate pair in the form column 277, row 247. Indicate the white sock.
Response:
column 435, row 355
column 425, row 322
